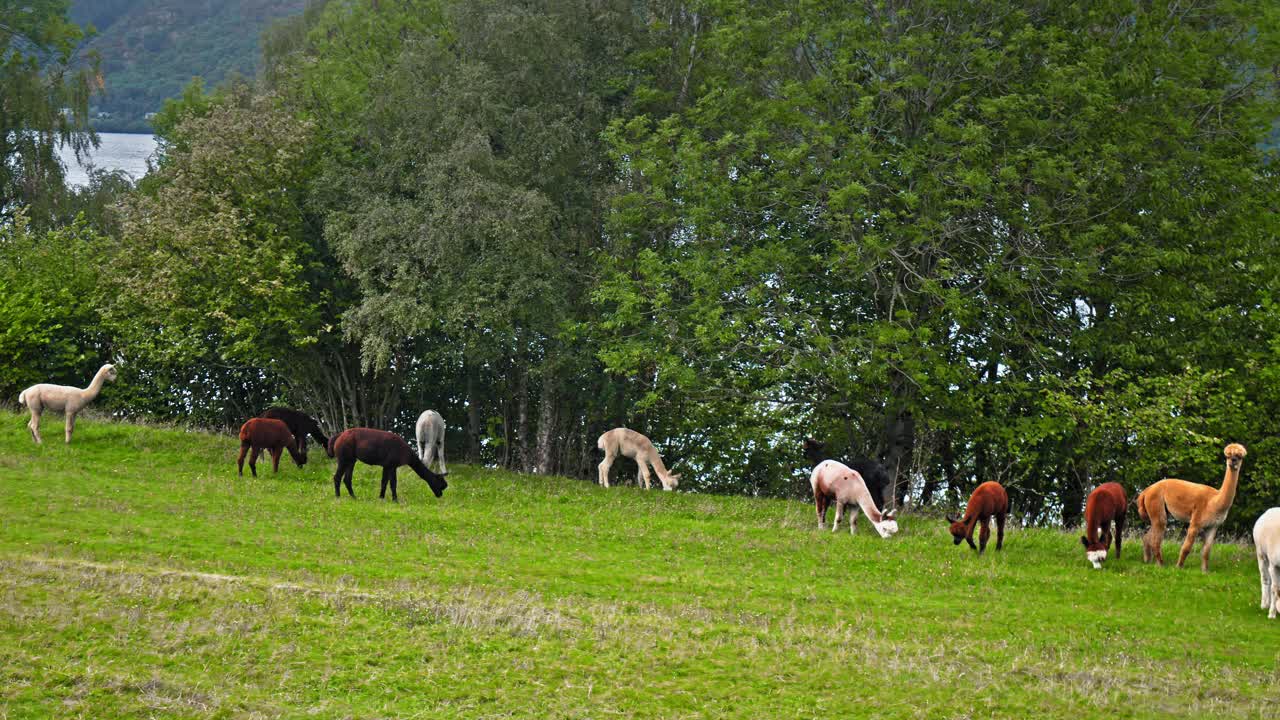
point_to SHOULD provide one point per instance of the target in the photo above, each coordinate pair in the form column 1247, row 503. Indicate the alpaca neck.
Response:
column 656, row 460
column 1227, row 493
column 95, row 387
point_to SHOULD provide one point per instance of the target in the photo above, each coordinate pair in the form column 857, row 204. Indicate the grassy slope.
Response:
column 139, row 577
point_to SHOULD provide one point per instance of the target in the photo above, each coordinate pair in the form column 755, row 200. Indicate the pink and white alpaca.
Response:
column 1266, row 539
column 430, row 433
column 63, row 398
column 835, row 482
column 629, row 443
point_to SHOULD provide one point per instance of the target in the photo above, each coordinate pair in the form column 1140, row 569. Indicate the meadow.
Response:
column 141, row 578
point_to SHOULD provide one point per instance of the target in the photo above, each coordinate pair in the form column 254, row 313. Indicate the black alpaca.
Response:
column 377, row 447
column 872, row 472
column 301, row 425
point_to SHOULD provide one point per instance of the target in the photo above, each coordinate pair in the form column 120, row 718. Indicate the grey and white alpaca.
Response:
column 430, row 432
column 63, row 398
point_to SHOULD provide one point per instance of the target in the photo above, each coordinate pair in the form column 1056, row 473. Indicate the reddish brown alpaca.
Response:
column 1106, row 505
column 378, row 447
column 988, row 500
column 270, row 435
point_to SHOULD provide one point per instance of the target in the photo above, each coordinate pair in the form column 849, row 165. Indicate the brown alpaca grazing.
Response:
column 987, row 501
column 270, row 435
column 1106, row 505
column 301, row 425
column 1203, row 508
column 378, row 447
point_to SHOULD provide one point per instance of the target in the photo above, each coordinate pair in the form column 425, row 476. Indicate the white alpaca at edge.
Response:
column 62, row 398
column 430, row 432
column 1266, row 538
column 629, row 443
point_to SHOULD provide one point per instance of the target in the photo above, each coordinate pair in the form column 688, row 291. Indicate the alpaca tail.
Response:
column 600, row 442
column 22, row 398
column 1142, row 508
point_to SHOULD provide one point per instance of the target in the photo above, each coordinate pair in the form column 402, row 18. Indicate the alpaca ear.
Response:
column 951, row 519
column 888, row 515
column 1084, row 541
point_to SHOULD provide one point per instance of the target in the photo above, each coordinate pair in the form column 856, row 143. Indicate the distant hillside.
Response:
column 150, row 49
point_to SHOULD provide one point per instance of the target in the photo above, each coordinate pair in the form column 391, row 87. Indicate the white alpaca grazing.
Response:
column 430, row 432
column 835, row 483
column 629, row 443
column 64, row 398
column 1266, row 538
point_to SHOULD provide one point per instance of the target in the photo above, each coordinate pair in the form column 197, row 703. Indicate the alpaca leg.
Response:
column 346, row 478
column 337, row 480
column 1000, row 531
column 984, row 535
column 853, row 518
column 34, row 423
column 386, row 478
column 644, row 474
column 1275, row 591
column 1193, row 531
column 71, row 426
column 275, row 459
column 253, row 461
column 1119, row 534
column 839, row 514
column 1264, row 576
column 1154, row 539
column 394, row 496
column 1206, row 545
column 440, row 454
column 244, row 450
column 820, row 504
column 603, row 468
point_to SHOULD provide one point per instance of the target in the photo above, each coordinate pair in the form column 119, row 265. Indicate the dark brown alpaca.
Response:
column 1106, row 504
column 378, row 447
column 301, row 425
column 987, row 501
column 270, row 435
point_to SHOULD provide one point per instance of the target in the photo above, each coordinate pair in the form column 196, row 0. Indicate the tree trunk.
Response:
column 473, row 415
column 523, row 458
column 546, row 429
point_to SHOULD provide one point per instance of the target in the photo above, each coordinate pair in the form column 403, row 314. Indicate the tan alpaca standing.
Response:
column 1203, row 508
column 64, row 398
column 629, row 443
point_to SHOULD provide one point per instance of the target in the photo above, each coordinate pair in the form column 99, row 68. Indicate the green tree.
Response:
column 44, row 102
column 902, row 225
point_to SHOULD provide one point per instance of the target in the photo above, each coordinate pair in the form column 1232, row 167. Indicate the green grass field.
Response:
column 141, row 578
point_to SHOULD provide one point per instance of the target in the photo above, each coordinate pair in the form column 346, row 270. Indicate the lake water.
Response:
column 118, row 151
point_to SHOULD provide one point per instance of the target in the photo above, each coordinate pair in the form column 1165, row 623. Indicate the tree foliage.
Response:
column 44, row 102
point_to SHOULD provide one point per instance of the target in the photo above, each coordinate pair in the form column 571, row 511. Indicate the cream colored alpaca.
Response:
column 1203, row 508
column 629, row 443
column 1266, row 539
column 64, row 398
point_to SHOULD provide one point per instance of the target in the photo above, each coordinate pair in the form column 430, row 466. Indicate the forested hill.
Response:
column 150, row 49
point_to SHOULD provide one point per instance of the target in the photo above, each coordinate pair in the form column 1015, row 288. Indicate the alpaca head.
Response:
column 1094, row 552
column 814, row 451
column 1235, row 453
column 887, row 526
column 670, row 481
column 958, row 530
column 109, row 372
column 297, row 451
